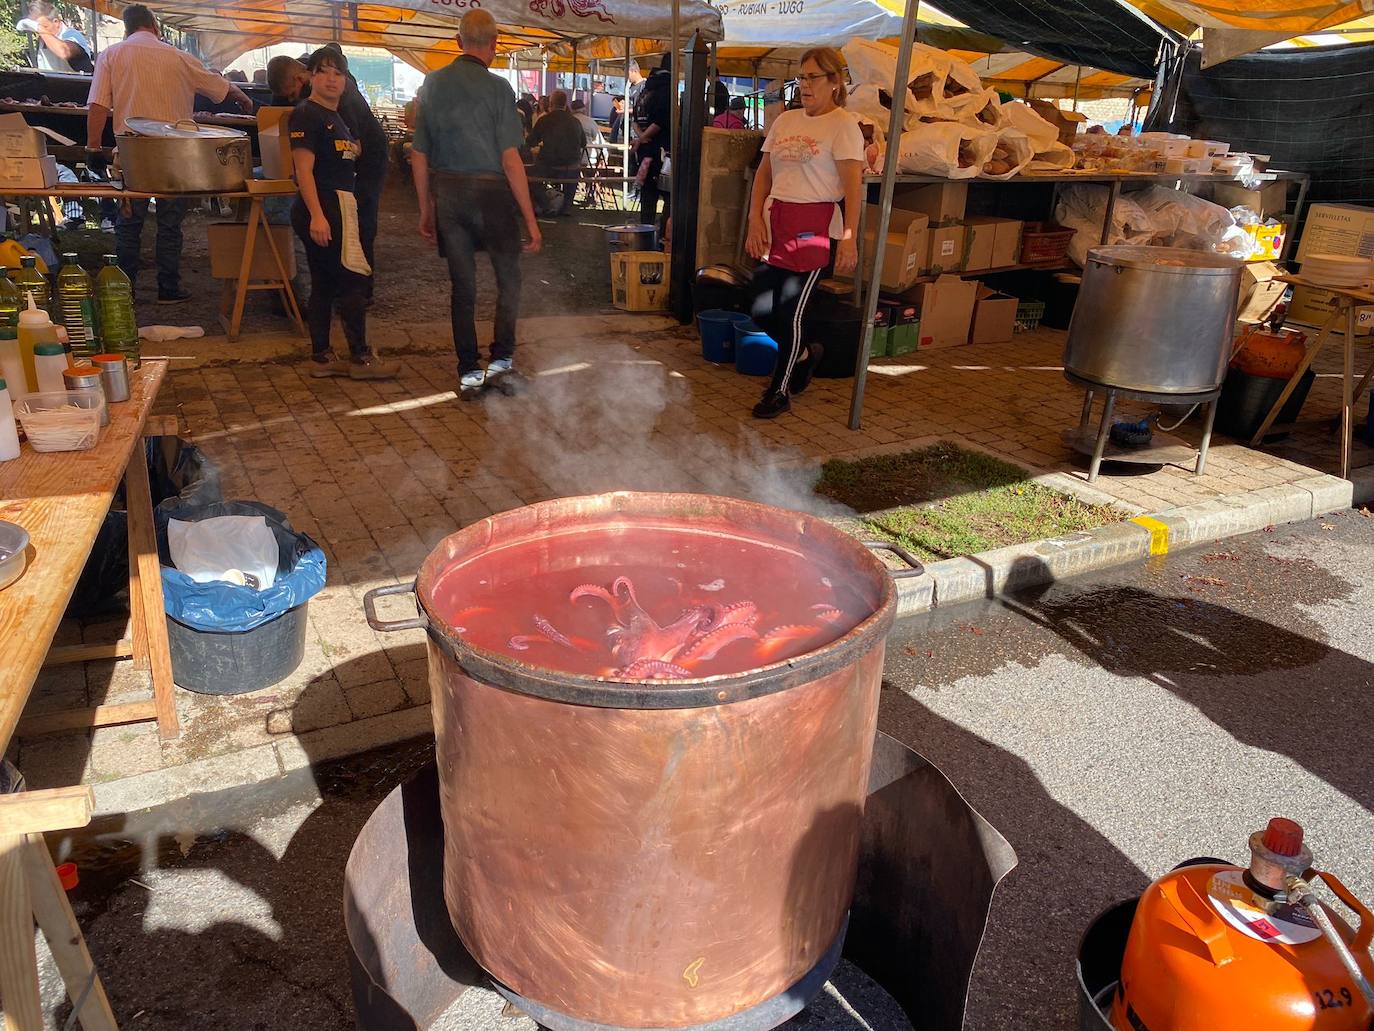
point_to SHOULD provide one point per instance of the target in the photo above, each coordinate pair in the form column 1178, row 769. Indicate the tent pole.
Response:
column 625, row 132
column 894, row 138
column 754, row 96
column 573, row 95
column 1077, row 78
column 676, row 110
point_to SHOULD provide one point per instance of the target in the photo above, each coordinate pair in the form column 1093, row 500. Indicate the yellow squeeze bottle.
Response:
column 35, row 327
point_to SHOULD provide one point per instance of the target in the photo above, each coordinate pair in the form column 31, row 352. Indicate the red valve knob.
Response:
column 1283, row 837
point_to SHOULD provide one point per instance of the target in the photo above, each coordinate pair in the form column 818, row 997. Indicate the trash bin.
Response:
column 231, row 639
column 179, row 474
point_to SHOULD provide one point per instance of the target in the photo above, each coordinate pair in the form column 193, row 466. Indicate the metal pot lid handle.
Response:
column 385, row 626
column 914, row 568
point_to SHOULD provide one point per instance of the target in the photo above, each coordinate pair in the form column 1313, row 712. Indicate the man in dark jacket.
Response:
column 562, row 143
column 652, row 120
column 290, row 84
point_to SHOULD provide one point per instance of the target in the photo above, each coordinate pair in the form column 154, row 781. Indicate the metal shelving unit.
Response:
column 1114, row 180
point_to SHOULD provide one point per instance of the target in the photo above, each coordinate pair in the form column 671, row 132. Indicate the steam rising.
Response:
column 603, row 417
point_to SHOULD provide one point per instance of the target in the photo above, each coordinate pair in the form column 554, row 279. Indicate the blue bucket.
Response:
column 717, row 330
column 755, row 351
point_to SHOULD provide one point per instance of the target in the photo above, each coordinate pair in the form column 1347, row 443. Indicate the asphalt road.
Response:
column 1108, row 727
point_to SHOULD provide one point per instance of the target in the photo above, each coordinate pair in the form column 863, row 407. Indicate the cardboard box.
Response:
column 1269, row 199
column 274, row 143
column 881, row 345
column 982, row 235
column 903, row 251
column 1067, row 122
column 946, row 251
column 1333, row 229
column 946, row 308
column 28, row 173
column 942, row 203
column 226, row 251
column 906, row 328
column 994, row 317
column 639, row 280
column 18, row 139
column 1006, row 244
column 1259, row 292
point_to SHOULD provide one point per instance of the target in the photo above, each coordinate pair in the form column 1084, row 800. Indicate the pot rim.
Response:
column 506, row 672
column 1152, row 259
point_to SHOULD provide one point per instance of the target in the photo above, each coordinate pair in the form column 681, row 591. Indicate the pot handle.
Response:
column 384, row 626
column 915, row 567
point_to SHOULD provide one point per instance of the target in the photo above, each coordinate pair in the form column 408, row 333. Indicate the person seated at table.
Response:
column 325, row 153
column 590, row 130
column 561, row 144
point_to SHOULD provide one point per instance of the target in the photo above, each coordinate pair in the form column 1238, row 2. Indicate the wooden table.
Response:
column 256, row 192
column 1347, row 300
column 61, row 498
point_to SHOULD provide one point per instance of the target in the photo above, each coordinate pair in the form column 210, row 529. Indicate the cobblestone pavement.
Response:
column 380, row 472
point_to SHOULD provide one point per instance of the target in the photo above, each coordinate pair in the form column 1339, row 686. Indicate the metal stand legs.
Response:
column 1102, row 432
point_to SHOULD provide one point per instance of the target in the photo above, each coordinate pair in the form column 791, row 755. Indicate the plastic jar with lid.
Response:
column 50, row 361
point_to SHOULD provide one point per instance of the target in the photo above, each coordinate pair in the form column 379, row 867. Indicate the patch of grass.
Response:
column 943, row 500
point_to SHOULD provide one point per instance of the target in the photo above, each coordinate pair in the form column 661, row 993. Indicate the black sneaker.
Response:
column 173, row 296
column 801, row 375
column 774, row 403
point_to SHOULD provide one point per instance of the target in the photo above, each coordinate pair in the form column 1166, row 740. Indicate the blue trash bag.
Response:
column 224, row 607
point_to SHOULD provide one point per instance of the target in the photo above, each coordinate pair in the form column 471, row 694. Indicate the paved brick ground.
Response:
column 380, row 472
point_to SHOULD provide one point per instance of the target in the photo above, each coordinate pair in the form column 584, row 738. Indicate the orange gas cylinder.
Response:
column 1215, row 947
column 1273, row 355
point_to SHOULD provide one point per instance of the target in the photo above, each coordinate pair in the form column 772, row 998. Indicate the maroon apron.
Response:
column 800, row 235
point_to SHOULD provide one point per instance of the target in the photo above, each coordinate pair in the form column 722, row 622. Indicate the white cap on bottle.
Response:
column 33, row 316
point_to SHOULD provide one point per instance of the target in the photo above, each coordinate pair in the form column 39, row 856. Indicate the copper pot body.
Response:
column 664, row 866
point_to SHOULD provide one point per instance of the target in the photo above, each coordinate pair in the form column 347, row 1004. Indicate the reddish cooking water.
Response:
column 516, row 601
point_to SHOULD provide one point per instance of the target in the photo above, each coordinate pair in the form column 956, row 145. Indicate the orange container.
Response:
column 1210, row 950
column 1273, row 355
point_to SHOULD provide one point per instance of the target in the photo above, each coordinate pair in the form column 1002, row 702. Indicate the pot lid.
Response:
column 1176, row 260
column 186, row 129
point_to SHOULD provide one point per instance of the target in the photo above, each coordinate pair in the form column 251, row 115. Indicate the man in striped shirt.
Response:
column 143, row 77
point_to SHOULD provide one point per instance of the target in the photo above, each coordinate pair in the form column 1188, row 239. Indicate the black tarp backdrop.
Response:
column 1108, row 35
column 1311, row 110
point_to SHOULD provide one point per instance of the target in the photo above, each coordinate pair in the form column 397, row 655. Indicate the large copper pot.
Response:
column 664, row 856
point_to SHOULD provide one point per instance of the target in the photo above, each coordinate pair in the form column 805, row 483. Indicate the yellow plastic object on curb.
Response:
column 11, row 251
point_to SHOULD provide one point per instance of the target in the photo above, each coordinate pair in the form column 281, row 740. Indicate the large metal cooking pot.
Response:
column 1158, row 320
column 184, row 157
column 641, row 855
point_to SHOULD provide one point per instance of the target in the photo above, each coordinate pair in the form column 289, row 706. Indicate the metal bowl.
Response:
column 14, row 552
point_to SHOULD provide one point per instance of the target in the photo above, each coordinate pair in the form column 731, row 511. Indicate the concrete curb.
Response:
column 990, row 573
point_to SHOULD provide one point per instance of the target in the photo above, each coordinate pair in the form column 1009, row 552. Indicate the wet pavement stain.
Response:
column 1237, row 610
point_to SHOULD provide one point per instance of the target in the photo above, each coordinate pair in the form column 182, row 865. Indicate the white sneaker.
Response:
column 472, row 380
column 499, row 366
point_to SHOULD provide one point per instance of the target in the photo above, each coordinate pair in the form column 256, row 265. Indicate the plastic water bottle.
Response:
column 114, row 296
column 30, row 281
column 76, row 307
column 9, row 433
column 9, row 303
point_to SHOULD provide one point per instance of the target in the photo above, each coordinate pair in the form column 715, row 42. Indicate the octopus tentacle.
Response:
column 653, row 669
column 709, row 644
column 781, row 636
column 827, row 613
column 551, row 632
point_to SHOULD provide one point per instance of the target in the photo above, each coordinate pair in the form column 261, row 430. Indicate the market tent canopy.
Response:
column 420, row 32
column 1229, row 28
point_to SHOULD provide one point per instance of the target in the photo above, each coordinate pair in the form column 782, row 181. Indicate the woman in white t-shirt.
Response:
column 812, row 161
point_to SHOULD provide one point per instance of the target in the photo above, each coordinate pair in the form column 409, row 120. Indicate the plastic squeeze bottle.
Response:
column 34, row 328
column 9, row 433
column 51, row 361
column 11, row 365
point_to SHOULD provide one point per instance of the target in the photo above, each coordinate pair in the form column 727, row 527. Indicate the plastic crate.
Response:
column 1028, row 315
column 639, row 280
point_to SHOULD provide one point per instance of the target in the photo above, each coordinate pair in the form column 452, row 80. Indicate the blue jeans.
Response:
column 129, row 236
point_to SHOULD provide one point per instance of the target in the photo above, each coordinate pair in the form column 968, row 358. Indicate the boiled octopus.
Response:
column 648, row 650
